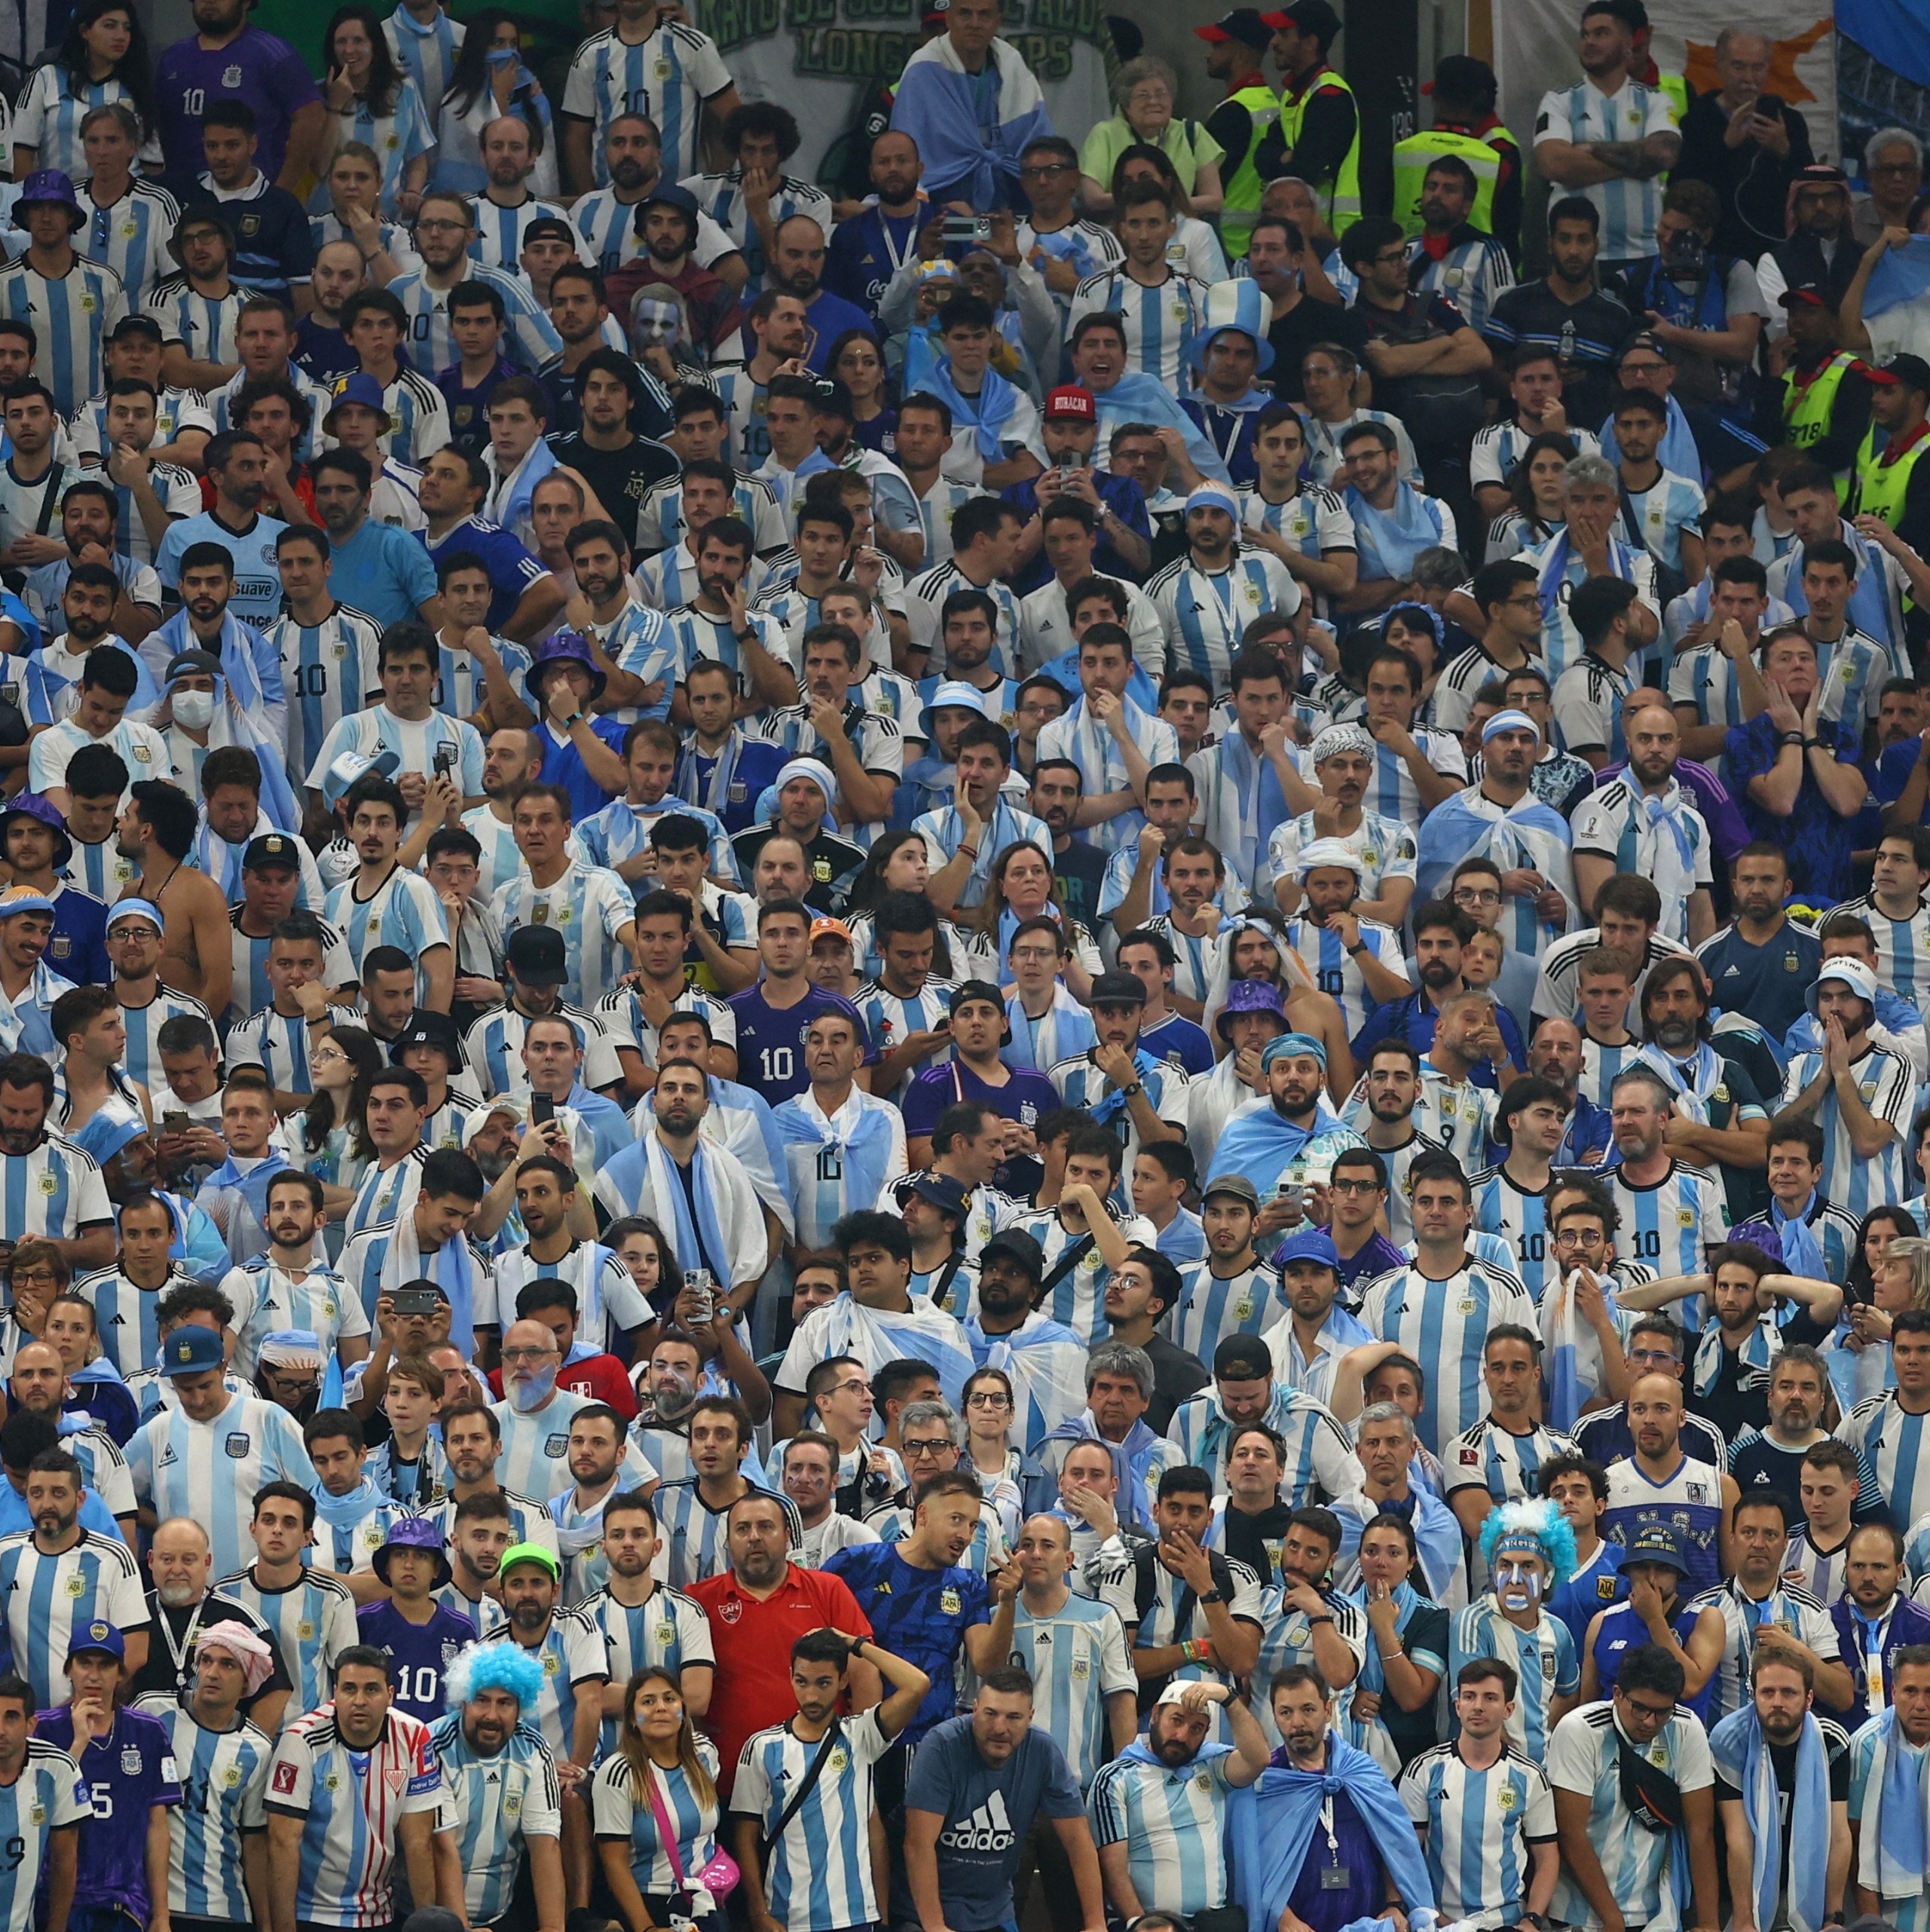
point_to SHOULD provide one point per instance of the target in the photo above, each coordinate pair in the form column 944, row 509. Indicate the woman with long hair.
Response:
column 990, row 1411
column 1898, row 1267
column 857, row 364
column 1538, row 490
column 369, row 99
column 899, row 863
column 650, row 1262
column 1390, row 1705
column 105, row 58
column 1018, row 888
column 332, row 1142
column 489, row 80
column 654, row 1806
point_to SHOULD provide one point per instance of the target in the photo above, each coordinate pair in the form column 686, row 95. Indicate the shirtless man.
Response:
column 156, row 830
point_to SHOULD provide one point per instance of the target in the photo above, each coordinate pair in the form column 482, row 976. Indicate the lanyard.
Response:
column 1227, row 447
column 898, row 256
column 1327, row 1825
column 182, row 1650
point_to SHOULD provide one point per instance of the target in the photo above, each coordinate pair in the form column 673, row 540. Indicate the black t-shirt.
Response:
column 1739, row 1399
column 172, row 1634
column 1761, row 1464
column 1782, row 1762
column 1307, row 323
column 622, row 478
column 1176, row 1376
column 1079, row 872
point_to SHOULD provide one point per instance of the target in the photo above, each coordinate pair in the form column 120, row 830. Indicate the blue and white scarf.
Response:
column 1575, row 1372
column 705, row 1235
column 1741, row 1755
column 1694, row 1079
column 1759, row 1349
column 985, row 414
column 1894, row 1845
column 242, row 715
column 1802, row 1252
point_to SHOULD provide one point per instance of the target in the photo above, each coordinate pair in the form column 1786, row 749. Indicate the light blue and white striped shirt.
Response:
column 224, row 1778
column 1480, row 1825
column 668, row 76
column 494, row 1804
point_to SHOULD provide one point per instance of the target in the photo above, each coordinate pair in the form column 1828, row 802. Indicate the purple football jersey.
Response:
column 255, row 67
column 418, row 1653
column 126, row 1775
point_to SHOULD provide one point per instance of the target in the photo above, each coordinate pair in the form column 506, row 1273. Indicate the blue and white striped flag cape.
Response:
column 1895, row 1842
column 985, row 414
column 242, row 716
column 1737, row 1745
column 1046, row 1364
column 1530, row 835
column 922, row 1333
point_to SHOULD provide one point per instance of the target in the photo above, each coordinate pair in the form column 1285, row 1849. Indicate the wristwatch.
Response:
column 1215, row 1595
column 1136, row 1088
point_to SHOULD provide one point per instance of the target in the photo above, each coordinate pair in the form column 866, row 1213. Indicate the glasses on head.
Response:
column 988, row 1398
column 934, row 1445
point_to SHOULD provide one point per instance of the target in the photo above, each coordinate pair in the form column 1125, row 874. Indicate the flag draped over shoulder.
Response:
column 941, row 107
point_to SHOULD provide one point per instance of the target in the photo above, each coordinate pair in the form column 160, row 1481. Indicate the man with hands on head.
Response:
column 1159, row 1853
column 802, row 1831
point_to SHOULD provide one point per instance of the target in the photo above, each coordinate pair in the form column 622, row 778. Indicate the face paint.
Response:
column 1517, row 1583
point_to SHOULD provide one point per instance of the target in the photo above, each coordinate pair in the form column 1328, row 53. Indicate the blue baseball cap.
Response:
column 100, row 1635
column 1313, row 1244
column 192, row 1350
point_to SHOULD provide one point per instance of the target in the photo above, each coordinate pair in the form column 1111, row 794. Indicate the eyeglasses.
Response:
column 527, row 1355
column 1392, row 258
column 928, row 1445
column 1581, row 1237
column 1047, row 173
column 441, row 228
column 330, row 1056
column 21, row 1277
column 1368, row 1186
column 1653, row 1357
column 1655, row 1713
column 1476, row 896
column 1529, row 600
column 986, row 1398
column 855, row 1385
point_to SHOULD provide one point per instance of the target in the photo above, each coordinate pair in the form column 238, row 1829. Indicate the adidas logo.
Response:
column 989, row 1829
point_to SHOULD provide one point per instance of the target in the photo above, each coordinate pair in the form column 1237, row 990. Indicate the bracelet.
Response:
column 970, row 851
column 1323, row 1618
column 1813, row 744
column 1789, row 738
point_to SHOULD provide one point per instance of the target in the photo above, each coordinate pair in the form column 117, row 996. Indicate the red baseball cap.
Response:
column 1073, row 401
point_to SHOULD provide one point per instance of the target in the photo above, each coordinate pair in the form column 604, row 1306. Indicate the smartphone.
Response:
column 965, row 228
column 445, row 760
column 541, row 1110
column 703, row 1300
column 943, row 1023
column 415, row 1301
column 174, row 1122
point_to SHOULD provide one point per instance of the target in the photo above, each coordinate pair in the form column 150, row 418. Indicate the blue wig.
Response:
column 502, row 1666
column 1553, row 1534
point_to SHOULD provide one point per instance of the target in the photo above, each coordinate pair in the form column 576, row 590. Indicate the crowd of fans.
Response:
column 1040, row 1034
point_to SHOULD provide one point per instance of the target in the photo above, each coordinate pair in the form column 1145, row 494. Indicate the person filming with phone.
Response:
column 1746, row 143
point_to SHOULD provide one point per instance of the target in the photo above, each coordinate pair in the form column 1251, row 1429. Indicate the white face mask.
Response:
column 195, row 709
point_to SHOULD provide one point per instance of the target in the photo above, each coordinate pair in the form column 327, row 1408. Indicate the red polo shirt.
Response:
column 751, row 1688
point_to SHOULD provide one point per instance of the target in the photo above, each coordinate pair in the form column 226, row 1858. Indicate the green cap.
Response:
column 529, row 1553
